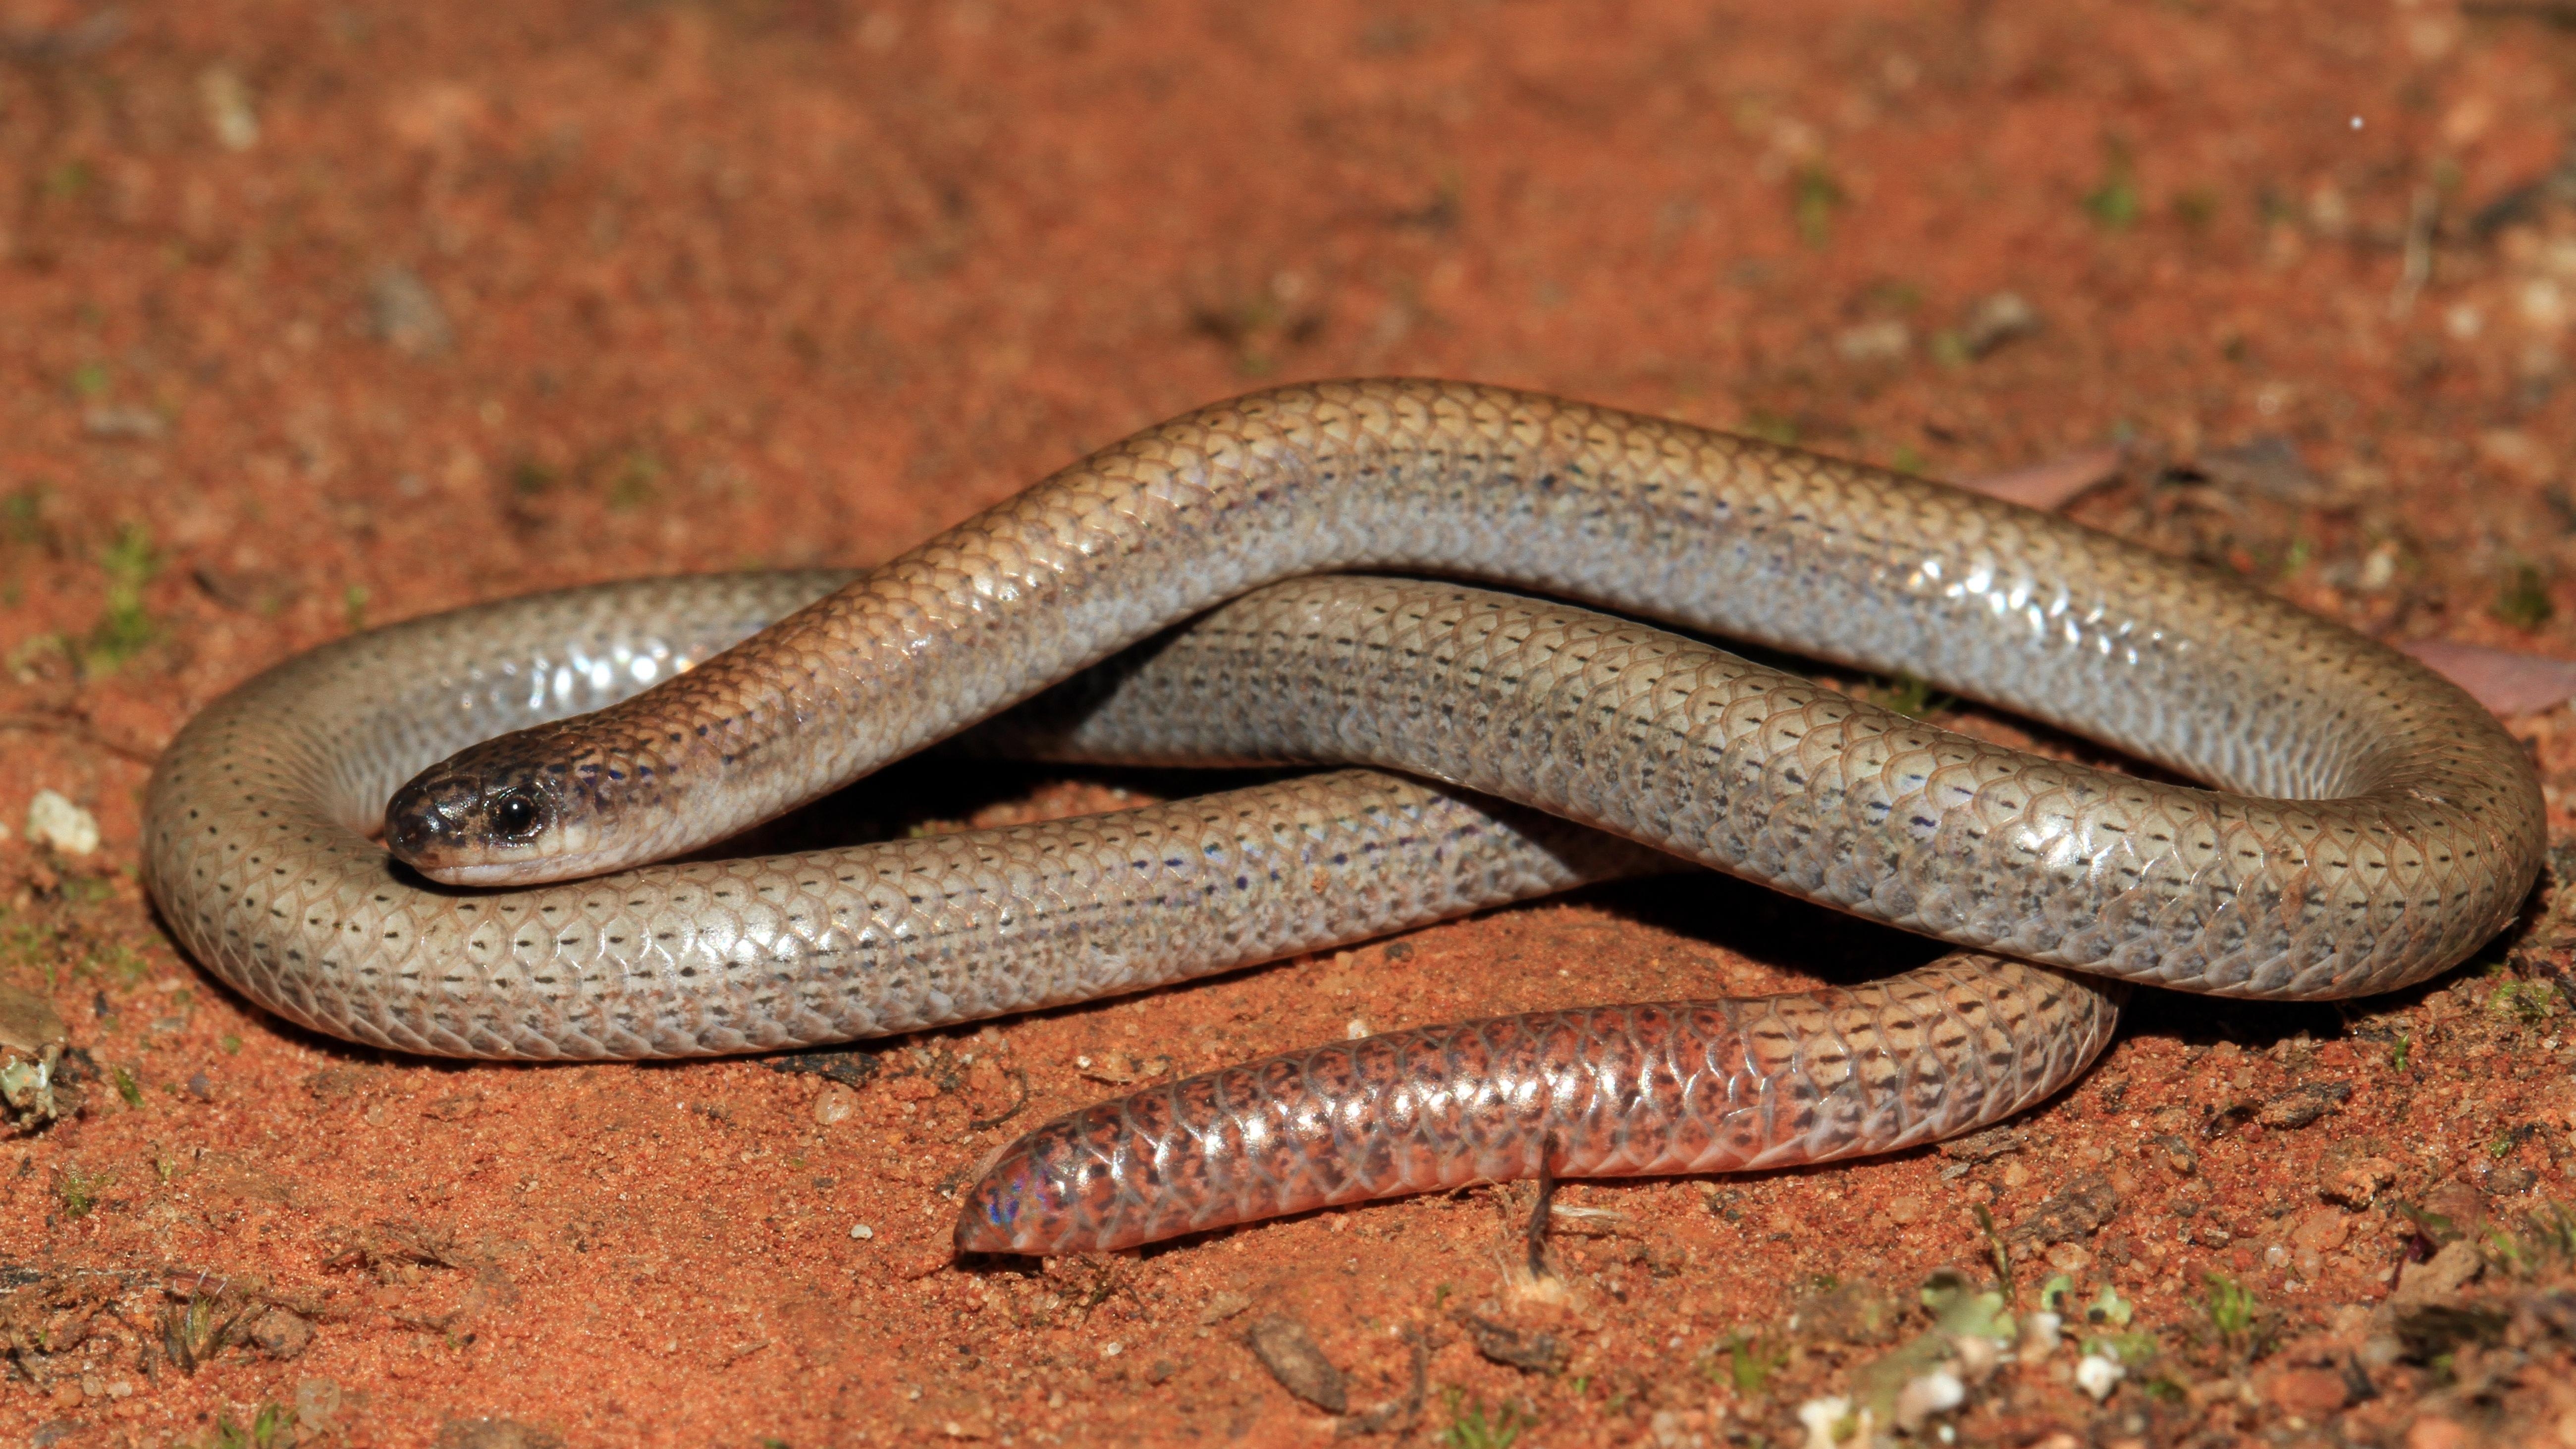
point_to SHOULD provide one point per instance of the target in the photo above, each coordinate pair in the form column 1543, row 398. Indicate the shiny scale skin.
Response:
column 2373, row 825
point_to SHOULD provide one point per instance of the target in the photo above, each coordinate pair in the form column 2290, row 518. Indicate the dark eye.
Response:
column 515, row 814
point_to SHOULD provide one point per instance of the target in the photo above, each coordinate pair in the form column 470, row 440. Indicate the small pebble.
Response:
column 406, row 315
column 834, row 1104
column 862, row 1231
column 1820, row 1416
column 229, row 109
column 55, row 821
column 2098, row 1376
column 1937, row 1392
column 1882, row 341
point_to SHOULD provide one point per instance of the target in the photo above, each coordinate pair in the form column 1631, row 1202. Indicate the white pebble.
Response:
column 1112, row 1349
column 1355, row 1028
column 862, row 1231
column 1934, row 1393
column 836, row 1103
column 2098, row 1376
column 1820, row 1416
column 53, row 820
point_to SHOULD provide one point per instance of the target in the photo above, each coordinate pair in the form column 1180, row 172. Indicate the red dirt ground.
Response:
column 313, row 316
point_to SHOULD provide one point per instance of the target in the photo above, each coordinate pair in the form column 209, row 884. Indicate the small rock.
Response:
column 2511, row 1181
column 229, row 111
column 1995, row 320
column 281, row 1334
column 2098, row 1376
column 316, row 1402
column 28, row 1022
column 1937, row 1392
column 1288, row 1349
column 2445, row 1273
column 1821, row 1416
column 495, row 1434
column 2435, row 1432
column 1983, row 1146
column 2268, row 467
column 2078, row 1209
column 2322, row 1231
column 1882, row 341
column 2461, row 1205
column 862, row 1232
column 1857, row 1312
column 35, row 1073
column 1676, row 1429
column 2309, row 1393
column 405, row 314
column 2519, row 453
column 2356, row 1183
column 2178, row 1155
column 1904, row 1210
column 55, row 821
column 1221, row 1307
column 2303, row 1104
column 834, row 1104
column 125, row 424
column 1529, row 1350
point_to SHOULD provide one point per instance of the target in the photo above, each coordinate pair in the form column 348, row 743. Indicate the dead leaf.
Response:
column 2051, row 485
column 1288, row 1349
column 2506, row 681
column 1529, row 1350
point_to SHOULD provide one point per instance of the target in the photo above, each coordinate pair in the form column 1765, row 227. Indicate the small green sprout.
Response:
column 2231, row 1309
column 1814, row 198
column 1471, row 1428
column 1750, row 1363
column 2114, row 204
column 80, row 1190
column 124, row 629
column 2522, row 599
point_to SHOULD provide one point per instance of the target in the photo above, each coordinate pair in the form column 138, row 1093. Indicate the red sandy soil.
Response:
column 312, row 316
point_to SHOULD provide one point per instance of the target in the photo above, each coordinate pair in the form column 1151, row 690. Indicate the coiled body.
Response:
column 2385, row 825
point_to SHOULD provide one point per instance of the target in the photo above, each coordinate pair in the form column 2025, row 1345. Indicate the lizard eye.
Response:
column 516, row 814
